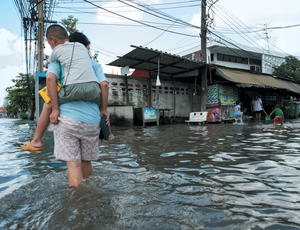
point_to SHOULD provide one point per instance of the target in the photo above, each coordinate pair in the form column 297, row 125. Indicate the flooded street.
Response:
column 217, row 176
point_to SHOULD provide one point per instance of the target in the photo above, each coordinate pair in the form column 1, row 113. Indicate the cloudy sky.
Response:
column 241, row 22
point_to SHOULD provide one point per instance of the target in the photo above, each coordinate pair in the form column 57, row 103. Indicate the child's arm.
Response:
column 52, row 91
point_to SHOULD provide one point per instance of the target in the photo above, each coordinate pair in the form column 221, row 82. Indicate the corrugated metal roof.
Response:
column 259, row 80
column 291, row 86
column 146, row 59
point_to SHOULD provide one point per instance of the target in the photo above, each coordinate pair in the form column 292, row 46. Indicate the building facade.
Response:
column 240, row 57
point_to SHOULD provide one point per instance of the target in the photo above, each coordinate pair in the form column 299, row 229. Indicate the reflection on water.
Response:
column 218, row 176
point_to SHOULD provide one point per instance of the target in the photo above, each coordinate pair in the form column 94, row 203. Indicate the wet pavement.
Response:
column 216, row 176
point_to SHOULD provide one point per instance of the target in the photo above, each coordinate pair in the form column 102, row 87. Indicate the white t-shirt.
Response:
column 81, row 67
column 257, row 105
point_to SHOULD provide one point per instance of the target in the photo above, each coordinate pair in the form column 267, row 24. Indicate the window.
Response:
column 232, row 58
column 220, row 57
column 255, row 61
column 244, row 61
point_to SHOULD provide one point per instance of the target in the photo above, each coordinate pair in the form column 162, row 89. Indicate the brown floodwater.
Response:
column 216, row 176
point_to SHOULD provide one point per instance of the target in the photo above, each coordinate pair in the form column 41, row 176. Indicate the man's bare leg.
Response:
column 41, row 126
column 86, row 167
column 74, row 173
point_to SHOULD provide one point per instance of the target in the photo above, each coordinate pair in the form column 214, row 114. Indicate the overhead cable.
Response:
column 155, row 27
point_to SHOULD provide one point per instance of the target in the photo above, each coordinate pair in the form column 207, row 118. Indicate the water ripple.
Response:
column 218, row 176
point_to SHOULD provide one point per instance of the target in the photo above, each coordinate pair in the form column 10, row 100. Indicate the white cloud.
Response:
column 10, row 43
column 11, row 59
column 124, row 10
column 118, row 8
column 108, row 69
column 195, row 20
column 256, row 13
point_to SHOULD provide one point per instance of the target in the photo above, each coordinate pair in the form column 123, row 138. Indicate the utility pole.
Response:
column 40, row 48
column 203, row 53
column 267, row 36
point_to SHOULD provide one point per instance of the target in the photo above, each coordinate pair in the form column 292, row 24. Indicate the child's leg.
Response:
column 276, row 121
column 281, row 121
column 41, row 126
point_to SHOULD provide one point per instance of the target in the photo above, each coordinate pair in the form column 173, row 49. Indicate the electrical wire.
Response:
column 158, row 36
column 232, row 24
column 240, row 23
column 248, row 39
column 148, row 12
column 248, row 53
column 184, row 46
column 109, row 1
column 162, row 14
column 155, row 27
column 119, row 24
column 125, row 11
column 28, row 15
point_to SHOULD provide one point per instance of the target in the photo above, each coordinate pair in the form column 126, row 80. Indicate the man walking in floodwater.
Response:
column 77, row 123
column 257, row 107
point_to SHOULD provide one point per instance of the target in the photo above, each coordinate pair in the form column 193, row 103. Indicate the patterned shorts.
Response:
column 75, row 140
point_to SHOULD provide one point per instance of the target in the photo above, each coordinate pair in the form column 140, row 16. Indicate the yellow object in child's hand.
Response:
column 44, row 92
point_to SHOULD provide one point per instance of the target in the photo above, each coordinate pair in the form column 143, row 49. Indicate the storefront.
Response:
column 245, row 86
column 221, row 99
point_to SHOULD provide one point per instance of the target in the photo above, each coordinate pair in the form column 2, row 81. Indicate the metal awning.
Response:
column 291, row 86
column 170, row 65
column 247, row 79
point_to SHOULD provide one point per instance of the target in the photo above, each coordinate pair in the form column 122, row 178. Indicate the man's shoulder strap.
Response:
column 60, row 77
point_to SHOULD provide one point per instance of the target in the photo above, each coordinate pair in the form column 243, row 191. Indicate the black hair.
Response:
column 238, row 102
column 79, row 37
column 57, row 31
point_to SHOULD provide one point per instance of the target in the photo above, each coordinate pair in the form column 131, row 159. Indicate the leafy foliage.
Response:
column 290, row 69
column 20, row 96
column 70, row 23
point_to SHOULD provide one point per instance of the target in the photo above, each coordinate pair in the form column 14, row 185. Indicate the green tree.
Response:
column 20, row 96
column 70, row 23
column 290, row 69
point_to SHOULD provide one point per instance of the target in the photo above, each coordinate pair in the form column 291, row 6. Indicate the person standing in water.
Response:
column 77, row 123
column 257, row 107
column 36, row 143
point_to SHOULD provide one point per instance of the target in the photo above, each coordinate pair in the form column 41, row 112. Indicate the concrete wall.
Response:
column 138, row 94
column 121, row 114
